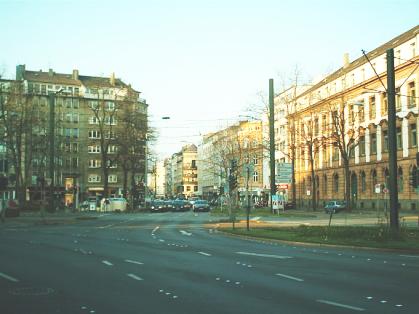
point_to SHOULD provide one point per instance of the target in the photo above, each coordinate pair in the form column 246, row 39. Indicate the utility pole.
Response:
column 247, row 194
column 51, row 98
column 271, row 141
column 392, row 142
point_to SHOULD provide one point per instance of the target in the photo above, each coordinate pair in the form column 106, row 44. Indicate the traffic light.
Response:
column 413, row 178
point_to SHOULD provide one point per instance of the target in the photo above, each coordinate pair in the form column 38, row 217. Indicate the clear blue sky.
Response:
column 199, row 62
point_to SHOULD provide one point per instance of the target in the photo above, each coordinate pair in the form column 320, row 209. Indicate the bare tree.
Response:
column 20, row 122
column 345, row 134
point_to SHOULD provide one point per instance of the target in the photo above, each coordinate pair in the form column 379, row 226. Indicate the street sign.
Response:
column 377, row 188
column 308, row 192
column 282, row 186
column 385, row 190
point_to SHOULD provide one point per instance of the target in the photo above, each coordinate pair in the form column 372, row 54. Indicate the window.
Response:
column 109, row 135
column 411, row 95
column 188, row 188
column 112, row 178
column 361, row 113
column 399, row 138
column 363, row 182
column 76, row 90
column 76, row 133
column 373, row 143
column 59, row 102
column 374, row 179
column 362, row 145
column 384, row 107
column 255, row 159
column 68, row 117
column 195, row 188
column 68, row 102
column 75, row 147
column 76, row 103
column 93, row 178
column 372, row 107
column 93, row 120
column 112, row 149
column 75, row 117
column 110, row 120
column 75, row 162
column 316, row 126
column 335, row 183
column 255, row 176
column 335, row 155
column 400, row 180
column 94, row 134
column 67, row 132
column 324, row 124
column 95, row 163
column 43, row 89
column 93, row 149
column 93, row 104
column 413, row 135
column 109, row 106
column 385, row 141
column 111, row 164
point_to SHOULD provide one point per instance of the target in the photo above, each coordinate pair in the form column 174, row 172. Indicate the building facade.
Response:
column 345, row 115
column 97, row 126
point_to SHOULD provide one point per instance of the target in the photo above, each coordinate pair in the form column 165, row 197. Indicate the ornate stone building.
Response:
column 352, row 101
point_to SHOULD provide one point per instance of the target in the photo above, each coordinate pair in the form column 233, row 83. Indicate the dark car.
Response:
column 169, row 204
column 201, row 206
column 181, row 205
column 158, row 206
column 334, row 206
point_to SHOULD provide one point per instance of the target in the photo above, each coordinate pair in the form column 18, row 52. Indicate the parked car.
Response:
column 169, row 204
column 334, row 206
column 181, row 205
column 192, row 200
column 158, row 206
column 201, row 206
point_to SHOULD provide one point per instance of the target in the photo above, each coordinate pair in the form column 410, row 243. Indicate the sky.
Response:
column 201, row 63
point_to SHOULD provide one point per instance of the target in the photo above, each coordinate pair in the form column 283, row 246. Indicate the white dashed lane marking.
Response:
column 203, row 253
column 133, row 262
column 10, row 278
column 350, row 307
column 289, row 277
column 134, row 277
column 107, row 263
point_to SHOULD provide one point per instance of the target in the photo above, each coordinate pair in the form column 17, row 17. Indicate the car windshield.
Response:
column 201, row 202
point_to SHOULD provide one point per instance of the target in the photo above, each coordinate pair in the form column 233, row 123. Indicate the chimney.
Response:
column 50, row 72
column 345, row 60
column 75, row 74
column 20, row 72
column 112, row 79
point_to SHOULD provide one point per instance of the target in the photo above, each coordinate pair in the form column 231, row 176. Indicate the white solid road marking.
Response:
column 9, row 277
column 185, row 233
column 341, row 305
column 290, row 277
column 203, row 253
column 264, row 255
column 134, row 277
column 414, row 256
column 107, row 263
column 133, row 262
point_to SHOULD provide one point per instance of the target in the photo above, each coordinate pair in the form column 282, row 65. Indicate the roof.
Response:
column 67, row 79
column 362, row 60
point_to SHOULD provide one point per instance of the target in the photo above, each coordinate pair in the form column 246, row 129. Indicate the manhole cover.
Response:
column 32, row 291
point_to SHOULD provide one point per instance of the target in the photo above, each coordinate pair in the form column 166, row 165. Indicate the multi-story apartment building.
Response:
column 352, row 102
column 99, row 130
column 240, row 147
column 182, row 173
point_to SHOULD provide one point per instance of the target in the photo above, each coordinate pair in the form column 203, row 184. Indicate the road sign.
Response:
column 377, row 188
column 385, row 190
column 282, row 186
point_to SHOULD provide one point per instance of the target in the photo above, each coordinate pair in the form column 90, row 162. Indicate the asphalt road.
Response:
column 171, row 263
